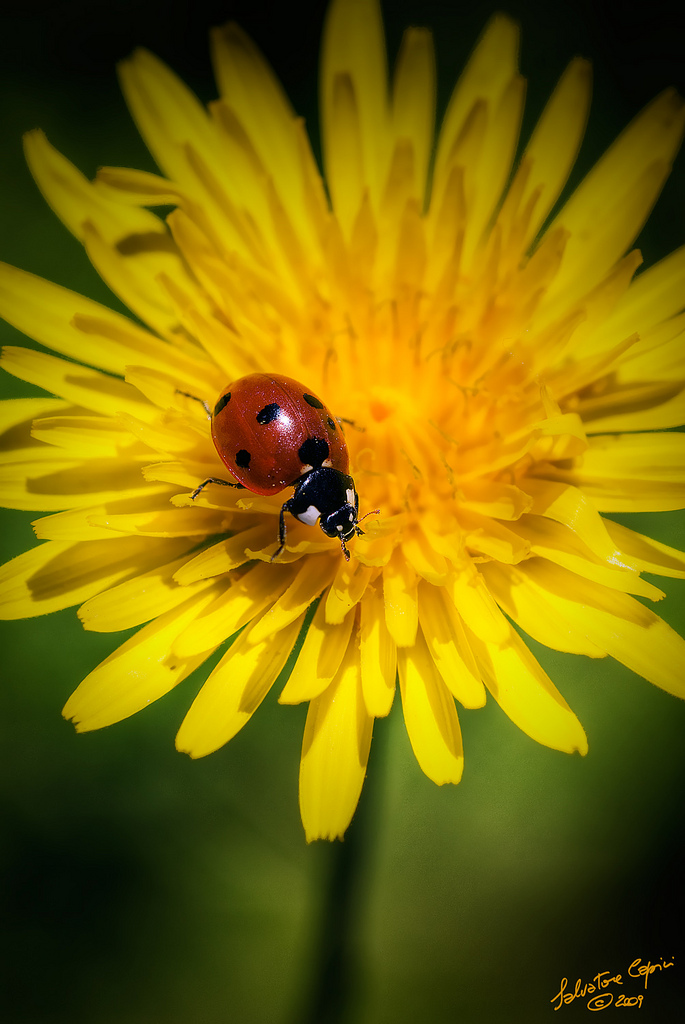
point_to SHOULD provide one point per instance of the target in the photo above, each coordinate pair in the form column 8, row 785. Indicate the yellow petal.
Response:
column 491, row 67
column 554, row 144
column 88, row 437
column 657, row 355
column 187, row 473
column 654, row 296
column 430, row 715
column 605, row 213
column 401, row 605
column 528, row 605
column 495, row 160
column 561, row 545
column 588, row 337
column 496, row 499
column 312, row 579
column 91, row 389
column 17, row 442
column 171, row 434
column 335, row 751
column 15, row 411
column 646, row 554
column 76, row 200
column 239, row 604
column 204, row 252
column 353, row 51
column 631, row 472
column 637, row 408
column 487, row 536
column 139, row 188
column 222, row 343
column 424, row 559
column 446, row 640
column 346, row 589
column 133, row 276
column 60, row 483
column 413, row 100
column 137, row 673
column 138, row 600
column 226, row 555
column 473, row 601
column 165, row 522
column 167, row 115
column 319, row 659
column 527, row 695
column 234, row 691
column 247, row 82
column 378, row 655
column 569, row 506
column 84, row 330
column 58, row 574
column 346, row 174
column 617, row 624
column 75, row 524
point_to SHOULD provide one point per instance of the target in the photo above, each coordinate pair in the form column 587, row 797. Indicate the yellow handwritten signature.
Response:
column 599, row 991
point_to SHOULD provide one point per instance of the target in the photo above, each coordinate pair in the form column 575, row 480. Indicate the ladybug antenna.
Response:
column 359, row 532
column 373, row 512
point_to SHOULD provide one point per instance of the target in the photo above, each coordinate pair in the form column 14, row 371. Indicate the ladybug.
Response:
column 272, row 432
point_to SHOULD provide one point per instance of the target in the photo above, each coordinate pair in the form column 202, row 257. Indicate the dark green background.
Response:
column 142, row 887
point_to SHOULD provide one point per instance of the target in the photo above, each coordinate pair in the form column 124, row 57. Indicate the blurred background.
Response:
column 139, row 886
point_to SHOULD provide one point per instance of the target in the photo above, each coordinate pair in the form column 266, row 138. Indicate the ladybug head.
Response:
column 327, row 495
column 341, row 523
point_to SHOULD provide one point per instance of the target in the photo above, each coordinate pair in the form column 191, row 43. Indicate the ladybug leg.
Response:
column 350, row 423
column 285, row 507
column 205, row 405
column 212, row 480
column 344, row 548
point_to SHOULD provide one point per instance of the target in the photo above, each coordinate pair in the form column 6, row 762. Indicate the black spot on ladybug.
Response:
column 268, row 414
column 331, row 423
column 242, row 459
column 313, row 452
column 313, row 401
column 222, row 403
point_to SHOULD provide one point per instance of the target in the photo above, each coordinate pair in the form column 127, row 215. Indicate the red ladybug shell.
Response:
column 269, row 430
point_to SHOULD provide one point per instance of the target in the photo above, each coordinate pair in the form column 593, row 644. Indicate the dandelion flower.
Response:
column 513, row 375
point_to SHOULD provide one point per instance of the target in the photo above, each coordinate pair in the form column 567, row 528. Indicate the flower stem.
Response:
column 336, row 979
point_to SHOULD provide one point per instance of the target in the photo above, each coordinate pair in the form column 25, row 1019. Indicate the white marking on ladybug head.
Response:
column 310, row 516
column 350, row 497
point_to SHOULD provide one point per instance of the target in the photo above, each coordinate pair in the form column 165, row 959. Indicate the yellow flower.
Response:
column 512, row 377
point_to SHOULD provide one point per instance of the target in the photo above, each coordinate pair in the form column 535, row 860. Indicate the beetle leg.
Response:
column 350, row 423
column 212, row 480
column 344, row 548
column 285, row 507
column 205, row 405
